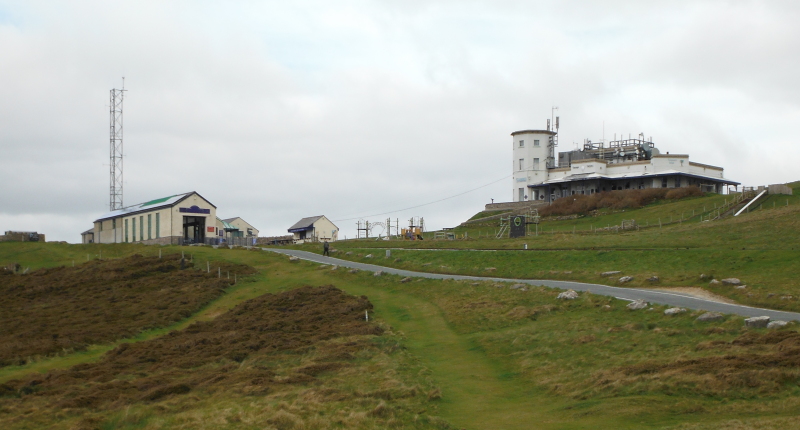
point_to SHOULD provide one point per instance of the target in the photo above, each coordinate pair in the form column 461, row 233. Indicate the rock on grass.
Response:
column 568, row 295
column 637, row 304
column 757, row 322
column 709, row 316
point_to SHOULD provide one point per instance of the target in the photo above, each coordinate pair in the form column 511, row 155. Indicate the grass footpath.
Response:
column 505, row 358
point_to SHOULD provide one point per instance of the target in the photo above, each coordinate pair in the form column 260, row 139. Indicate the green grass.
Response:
column 505, row 358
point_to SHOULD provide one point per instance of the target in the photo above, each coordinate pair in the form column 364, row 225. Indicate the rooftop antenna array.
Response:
column 553, row 141
column 115, row 110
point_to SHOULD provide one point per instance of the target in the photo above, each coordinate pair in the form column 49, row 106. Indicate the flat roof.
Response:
column 533, row 132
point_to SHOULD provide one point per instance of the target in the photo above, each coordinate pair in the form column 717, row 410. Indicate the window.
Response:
column 126, row 230
column 134, row 228
column 521, row 196
column 677, row 182
column 149, row 226
column 664, row 182
column 114, row 224
column 521, row 163
column 536, row 142
column 141, row 227
column 535, row 164
column 521, row 143
column 158, row 226
column 101, row 225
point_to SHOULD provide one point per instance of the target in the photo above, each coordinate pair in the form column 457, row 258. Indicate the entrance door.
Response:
column 521, row 195
column 194, row 229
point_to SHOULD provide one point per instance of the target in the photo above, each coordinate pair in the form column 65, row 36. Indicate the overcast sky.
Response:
column 275, row 111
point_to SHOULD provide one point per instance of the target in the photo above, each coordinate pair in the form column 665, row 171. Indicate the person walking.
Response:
column 326, row 249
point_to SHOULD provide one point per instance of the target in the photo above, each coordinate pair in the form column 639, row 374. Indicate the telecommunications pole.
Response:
column 115, row 201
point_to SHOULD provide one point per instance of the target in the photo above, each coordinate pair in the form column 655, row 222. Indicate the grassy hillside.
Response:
column 59, row 310
column 759, row 247
column 478, row 355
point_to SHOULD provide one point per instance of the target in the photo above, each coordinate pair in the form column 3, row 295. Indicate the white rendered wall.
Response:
column 528, row 174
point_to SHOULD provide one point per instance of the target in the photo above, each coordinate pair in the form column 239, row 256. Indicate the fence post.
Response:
column 208, row 267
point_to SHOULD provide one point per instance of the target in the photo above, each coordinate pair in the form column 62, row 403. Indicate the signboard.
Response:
column 194, row 210
column 210, row 229
column 517, row 227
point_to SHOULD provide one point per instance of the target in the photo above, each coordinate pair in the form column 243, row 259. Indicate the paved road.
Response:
column 652, row 296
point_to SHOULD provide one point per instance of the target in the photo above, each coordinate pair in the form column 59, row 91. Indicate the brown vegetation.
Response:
column 68, row 308
column 209, row 355
column 752, row 363
column 621, row 199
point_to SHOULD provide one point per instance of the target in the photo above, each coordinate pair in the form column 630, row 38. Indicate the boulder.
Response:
column 568, row 272
column 704, row 277
column 378, row 273
column 293, row 258
column 625, row 279
column 637, row 304
column 710, row 316
column 731, row 281
column 653, row 279
column 368, row 256
column 777, row 324
column 335, row 267
column 353, row 270
column 491, row 269
column 674, row 311
column 348, row 253
column 406, row 279
column 740, row 287
column 611, row 273
column 757, row 322
column 568, row 295
column 714, row 282
column 517, row 286
column 786, row 297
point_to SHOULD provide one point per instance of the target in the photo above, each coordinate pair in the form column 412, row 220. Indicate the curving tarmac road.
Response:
column 651, row 296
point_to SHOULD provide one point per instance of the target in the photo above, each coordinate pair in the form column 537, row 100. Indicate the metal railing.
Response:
column 231, row 241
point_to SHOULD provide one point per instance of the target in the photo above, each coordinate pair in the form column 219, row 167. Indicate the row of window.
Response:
column 141, row 227
column 522, row 164
column 522, row 143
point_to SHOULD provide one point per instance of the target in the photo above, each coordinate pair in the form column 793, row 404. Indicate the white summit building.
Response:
column 622, row 164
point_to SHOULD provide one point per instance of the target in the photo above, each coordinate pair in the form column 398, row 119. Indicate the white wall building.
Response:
column 623, row 164
column 182, row 218
column 314, row 229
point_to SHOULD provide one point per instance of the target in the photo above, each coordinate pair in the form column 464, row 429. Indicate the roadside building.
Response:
column 314, row 229
column 245, row 229
column 179, row 219
column 633, row 163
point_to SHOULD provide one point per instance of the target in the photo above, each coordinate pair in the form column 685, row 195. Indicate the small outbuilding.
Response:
column 245, row 228
column 314, row 229
column 88, row 236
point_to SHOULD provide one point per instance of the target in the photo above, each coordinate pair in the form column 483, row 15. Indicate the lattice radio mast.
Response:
column 115, row 200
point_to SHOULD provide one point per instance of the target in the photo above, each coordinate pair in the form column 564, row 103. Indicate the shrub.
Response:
column 621, row 199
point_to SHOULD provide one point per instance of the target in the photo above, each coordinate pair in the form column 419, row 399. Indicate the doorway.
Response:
column 194, row 229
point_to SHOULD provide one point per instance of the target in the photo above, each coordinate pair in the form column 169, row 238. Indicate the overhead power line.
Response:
column 429, row 203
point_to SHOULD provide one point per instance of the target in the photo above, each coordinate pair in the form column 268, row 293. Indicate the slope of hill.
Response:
column 63, row 309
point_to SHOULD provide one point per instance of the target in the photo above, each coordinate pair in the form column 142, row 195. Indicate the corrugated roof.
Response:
column 305, row 223
column 150, row 205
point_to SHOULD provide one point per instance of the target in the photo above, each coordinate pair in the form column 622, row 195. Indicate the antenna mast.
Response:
column 115, row 109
